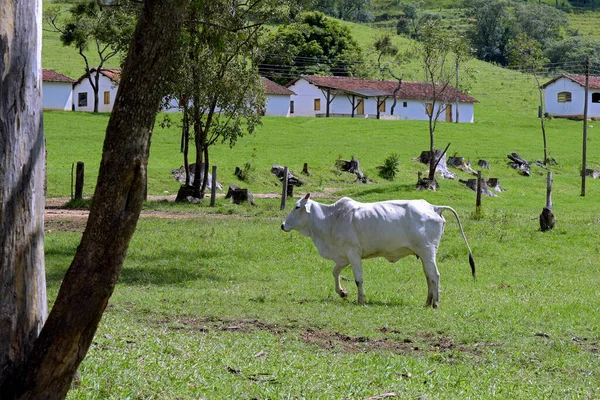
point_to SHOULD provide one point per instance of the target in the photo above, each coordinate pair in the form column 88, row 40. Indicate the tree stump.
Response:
column 546, row 217
column 484, row 164
column 426, row 184
column 455, row 161
column 305, row 170
column 187, row 194
column 441, row 167
column 278, row 171
column 472, row 184
column 546, row 220
column 239, row 195
column 352, row 166
column 517, row 162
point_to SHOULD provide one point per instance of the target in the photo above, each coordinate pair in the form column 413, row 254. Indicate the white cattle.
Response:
column 348, row 231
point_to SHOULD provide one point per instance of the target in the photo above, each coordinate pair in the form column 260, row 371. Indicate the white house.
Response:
column 564, row 96
column 278, row 99
column 361, row 98
column 83, row 94
column 57, row 91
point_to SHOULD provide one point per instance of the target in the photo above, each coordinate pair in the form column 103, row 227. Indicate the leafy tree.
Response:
column 350, row 10
column 218, row 78
column 107, row 30
column 414, row 17
column 525, row 53
column 491, row 29
column 540, row 21
column 312, row 45
column 42, row 366
column 569, row 55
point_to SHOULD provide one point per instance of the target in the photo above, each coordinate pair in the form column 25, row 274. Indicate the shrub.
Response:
column 389, row 169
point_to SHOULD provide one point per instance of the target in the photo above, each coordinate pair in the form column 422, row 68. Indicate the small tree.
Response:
column 389, row 55
column 106, row 30
column 526, row 53
column 389, row 169
column 435, row 48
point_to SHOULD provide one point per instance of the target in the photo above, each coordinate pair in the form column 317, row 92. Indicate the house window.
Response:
column 317, row 104
column 382, row 106
column 595, row 97
column 429, row 109
column 292, row 107
column 404, row 104
column 564, row 97
column 82, row 100
column 106, row 97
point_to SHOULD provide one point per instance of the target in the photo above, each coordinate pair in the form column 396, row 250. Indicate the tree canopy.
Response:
column 102, row 31
column 312, row 45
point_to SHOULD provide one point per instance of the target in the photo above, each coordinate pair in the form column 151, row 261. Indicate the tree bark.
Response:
column 91, row 278
column 22, row 172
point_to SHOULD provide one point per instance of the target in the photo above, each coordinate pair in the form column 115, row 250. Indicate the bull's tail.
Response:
column 439, row 209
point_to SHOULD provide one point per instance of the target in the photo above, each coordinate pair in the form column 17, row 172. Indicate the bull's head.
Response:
column 298, row 217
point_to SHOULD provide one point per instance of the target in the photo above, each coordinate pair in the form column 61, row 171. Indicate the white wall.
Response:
column 306, row 93
column 57, row 96
column 573, row 107
column 277, row 105
column 105, row 84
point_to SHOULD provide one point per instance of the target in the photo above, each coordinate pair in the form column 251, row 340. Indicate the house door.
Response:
column 449, row 113
column 360, row 107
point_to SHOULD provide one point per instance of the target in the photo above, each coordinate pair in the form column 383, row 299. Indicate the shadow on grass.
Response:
column 161, row 269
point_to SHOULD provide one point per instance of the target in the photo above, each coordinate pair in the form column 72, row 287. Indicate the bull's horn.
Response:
column 307, row 196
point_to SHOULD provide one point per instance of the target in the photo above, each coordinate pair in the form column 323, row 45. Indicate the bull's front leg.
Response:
column 336, row 277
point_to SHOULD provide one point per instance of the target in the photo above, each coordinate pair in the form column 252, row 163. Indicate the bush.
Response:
column 389, row 169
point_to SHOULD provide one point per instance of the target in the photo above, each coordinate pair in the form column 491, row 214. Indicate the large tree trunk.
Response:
column 22, row 173
column 91, row 278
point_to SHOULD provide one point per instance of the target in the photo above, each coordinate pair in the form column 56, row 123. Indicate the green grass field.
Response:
column 224, row 305
column 229, row 306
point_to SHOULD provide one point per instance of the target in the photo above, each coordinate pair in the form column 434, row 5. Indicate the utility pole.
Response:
column 585, row 124
column 456, row 91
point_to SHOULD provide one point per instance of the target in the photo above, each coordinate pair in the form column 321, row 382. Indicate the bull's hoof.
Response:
column 343, row 294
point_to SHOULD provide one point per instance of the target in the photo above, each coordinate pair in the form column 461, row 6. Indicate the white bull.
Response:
column 348, row 232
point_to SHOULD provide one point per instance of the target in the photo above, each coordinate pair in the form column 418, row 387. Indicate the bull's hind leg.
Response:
column 433, row 277
column 357, row 271
column 336, row 277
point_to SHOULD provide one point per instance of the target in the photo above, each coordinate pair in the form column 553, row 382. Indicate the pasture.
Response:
column 223, row 304
column 219, row 303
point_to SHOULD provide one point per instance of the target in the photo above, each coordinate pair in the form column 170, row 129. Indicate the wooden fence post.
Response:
column 547, row 217
column 478, row 198
column 213, row 188
column 79, row 180
column 285, row 188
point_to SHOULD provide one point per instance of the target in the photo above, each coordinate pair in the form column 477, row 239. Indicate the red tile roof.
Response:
column 49, row 75
column 408, row 90
column 275, row 88
column 112, row 74
column 594, row 81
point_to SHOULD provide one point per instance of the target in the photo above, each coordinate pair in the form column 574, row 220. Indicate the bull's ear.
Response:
column 307, row 207
column 307, row 196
